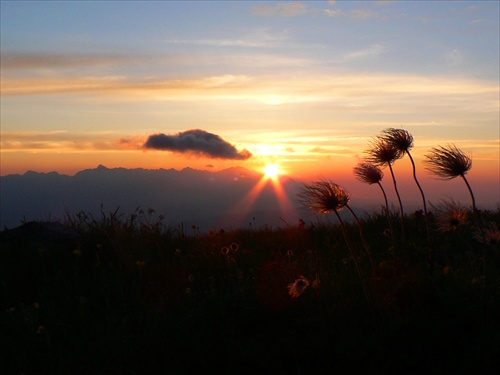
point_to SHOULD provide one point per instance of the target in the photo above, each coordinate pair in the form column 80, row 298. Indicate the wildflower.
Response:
column 100, row 246
column 40, row 330
column 383, row 152
column 401, row 139
column 191, row 278
column 491, row 235
column 447, row 270
column 324, row 197
column 369, row 173
column 298, row 287
column 289, row 253
column 225, row 250
column 140, row 264
column 448, row 162
column 36, row 305
column 450, row 216
column 234, row 247
column 77, row 252
column 372, row 174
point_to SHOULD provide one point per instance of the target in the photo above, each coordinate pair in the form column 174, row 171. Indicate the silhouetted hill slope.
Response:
column 206, row 199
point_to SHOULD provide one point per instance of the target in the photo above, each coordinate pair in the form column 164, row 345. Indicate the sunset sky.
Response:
column 300, row 84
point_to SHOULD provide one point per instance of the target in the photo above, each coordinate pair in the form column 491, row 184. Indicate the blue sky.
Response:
column 302, row 84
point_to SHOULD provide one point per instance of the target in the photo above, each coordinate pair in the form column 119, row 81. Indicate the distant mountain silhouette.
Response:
column 209, row 200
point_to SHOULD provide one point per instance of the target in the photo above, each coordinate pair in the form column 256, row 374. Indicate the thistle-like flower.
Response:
column 491, row 235
column 448, row 162
column 324, row 197
column 401, row 139
column 450, row 216
column 372, row 174
column 298, row 286
column 383, row 152
column 369, row 173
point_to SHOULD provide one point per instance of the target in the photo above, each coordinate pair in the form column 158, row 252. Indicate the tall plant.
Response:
column 383, row 153
column 449, row 162
column 402, row 140
column 371, row 174
column 325, row 197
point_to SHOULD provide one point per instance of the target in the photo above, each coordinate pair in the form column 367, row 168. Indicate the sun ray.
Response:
column 272, row 175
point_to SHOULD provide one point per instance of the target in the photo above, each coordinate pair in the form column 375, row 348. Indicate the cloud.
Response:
column 63, row 140
column 38, row 60
column 355, row 14
column 196, row 141
column 371, row 51
column 287, row 9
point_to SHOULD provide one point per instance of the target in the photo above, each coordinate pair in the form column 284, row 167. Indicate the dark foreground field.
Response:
column 124, row 295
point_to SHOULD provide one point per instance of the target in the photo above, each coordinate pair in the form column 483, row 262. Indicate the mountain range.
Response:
column 230, row 198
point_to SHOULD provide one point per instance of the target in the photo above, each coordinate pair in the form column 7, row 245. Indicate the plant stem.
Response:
column 423, row 197
column 387, row 213
column 474, row 209
column 400, row 203
column 363, row 238
column 353, row 254
column 431, row 250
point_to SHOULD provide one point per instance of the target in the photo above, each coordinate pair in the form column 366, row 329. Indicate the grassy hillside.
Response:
column 126, row 295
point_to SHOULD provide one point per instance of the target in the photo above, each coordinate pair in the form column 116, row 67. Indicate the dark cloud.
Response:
column 196, row 141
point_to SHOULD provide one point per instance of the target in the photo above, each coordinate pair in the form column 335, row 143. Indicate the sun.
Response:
column 272, row 170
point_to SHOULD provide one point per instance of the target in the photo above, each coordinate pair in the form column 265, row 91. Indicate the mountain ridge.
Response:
column 208, row 199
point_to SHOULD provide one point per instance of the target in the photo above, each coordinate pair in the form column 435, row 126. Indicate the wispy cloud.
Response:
column 13, row 60
column 360, row 14
column 387, row 92
column 198, row 142
column 283, row 9
column 371, row 51
column 63, row 140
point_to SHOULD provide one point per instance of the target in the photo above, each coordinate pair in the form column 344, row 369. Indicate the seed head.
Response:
column 448, row 162
column 450, row 216
column 369, row 173
column 401, row 139
column 382, row 152
column 323, row 197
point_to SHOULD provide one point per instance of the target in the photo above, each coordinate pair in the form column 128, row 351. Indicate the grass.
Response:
column 135, row 297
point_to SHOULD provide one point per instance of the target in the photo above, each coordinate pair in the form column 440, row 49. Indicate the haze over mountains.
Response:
column 209, row 200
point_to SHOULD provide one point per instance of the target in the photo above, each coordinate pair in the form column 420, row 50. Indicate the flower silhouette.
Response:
column 450, row 216
column 324, row 197
column 402, row 140
column 448, row 162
